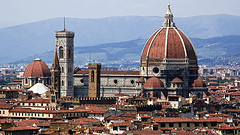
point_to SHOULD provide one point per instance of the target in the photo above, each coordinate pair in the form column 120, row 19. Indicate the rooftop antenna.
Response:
column 64, row 23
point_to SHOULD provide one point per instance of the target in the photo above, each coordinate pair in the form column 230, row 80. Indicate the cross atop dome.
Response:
column 169, row 18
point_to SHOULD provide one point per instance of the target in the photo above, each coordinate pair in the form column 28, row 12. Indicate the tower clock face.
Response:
column 155, row 70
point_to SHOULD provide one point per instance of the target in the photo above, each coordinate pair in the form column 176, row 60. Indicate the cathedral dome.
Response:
column 198, row 83
column 37, row 68
column 168, row 42
column 153, row 82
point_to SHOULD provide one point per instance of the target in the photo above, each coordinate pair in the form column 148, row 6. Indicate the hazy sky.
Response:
column 13, row 12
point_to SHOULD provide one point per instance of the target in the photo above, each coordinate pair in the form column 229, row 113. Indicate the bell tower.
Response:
column 64, row 49
column 55, row 78
column 94, row 80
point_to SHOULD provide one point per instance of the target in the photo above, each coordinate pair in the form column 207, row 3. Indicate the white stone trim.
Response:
column 190, row 42
column 184, row 47
column 166, row 42
column 152, row 42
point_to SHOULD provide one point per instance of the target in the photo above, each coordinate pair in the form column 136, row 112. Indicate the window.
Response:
column 205, row 124
column 115, row 81
column 171, row 124
column 62, row 69
column 163, row 125
column 155, row 127
column 188, row 124
column 26, row 80
column 122, row 128
column 196, row 124
column 81, row 80
column 179, row 124
column 69, row 70
column 213, row 124
column 155, row 70
column 132, row 81
column 144, row 119
column 61, row 52
column 69, row 83
column 92, row 76
column 53, row 99
column 69, row 53
column 115, row 128
column 62, row 83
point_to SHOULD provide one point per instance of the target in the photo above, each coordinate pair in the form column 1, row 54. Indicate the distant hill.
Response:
column 211, row 51
column 25, row 40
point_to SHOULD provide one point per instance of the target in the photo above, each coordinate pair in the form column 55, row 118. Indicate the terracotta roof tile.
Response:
column 155, row 46
column 140, row 80
column 177, row 80
column 37, row 68
column 153, row 82
column 21, row 128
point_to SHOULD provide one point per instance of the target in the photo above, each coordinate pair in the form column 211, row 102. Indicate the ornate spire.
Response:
column 55, row 78
column 169, row 18
column 55, row 65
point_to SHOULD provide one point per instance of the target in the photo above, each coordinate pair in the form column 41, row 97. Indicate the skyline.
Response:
column 21, row 13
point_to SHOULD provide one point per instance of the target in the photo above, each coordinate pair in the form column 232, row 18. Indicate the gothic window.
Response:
column 26, row 80
column 69, row 53
column 61, row 52
column 62, row 83
column 62, row 69
column 92, row 76
column 70, row 70
column 69, row 83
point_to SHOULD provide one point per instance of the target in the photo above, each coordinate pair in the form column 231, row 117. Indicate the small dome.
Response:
column 198, row 83
column 37, row 68
column 153, row 82
column 39, row 88
column 176, row 80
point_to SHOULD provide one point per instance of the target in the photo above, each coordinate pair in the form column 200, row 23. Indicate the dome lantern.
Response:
column 169, row 18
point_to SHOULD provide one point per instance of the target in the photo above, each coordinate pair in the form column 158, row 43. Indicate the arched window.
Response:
column 26, row 80
column 92, row 76
column 62, row 69
column 62, row 83
column 69, row 53
column 61, row 52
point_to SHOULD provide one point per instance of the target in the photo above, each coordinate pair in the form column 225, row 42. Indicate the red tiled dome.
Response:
column 153, row 82
column 177, row 80
column 168, row 42
column 140, row 80
column 198, row 83
column 37, row 68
